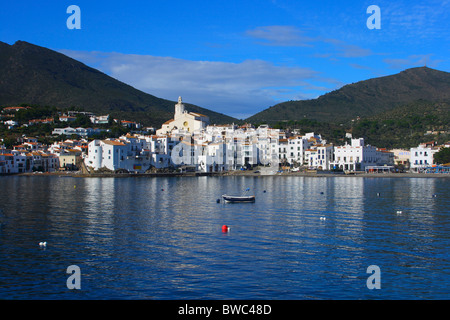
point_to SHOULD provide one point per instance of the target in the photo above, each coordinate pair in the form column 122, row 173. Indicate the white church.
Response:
column 183, row 120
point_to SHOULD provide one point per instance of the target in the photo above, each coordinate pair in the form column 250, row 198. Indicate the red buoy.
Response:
column 225, row 228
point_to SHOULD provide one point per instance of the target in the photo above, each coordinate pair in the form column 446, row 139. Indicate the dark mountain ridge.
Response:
column 40, row 76
column 364, row 98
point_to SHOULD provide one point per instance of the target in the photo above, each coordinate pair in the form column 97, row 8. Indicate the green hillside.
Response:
column 403, row 127
column 39, row 76
column 365, row 98
column 407, row 126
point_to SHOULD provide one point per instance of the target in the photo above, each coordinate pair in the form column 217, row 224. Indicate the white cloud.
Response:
column 280, row 36
column 291, row 36
column 422, row 20
column 234, row 89
column 347, row 50
column 417, row 60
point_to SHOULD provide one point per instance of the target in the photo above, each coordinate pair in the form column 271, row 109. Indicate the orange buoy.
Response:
column 225, row 228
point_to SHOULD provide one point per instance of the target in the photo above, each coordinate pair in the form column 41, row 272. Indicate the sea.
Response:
column 162, row 238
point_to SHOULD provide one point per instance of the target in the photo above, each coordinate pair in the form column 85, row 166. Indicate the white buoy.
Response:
column 42, row 244
column 323, row 218
column 399, row 212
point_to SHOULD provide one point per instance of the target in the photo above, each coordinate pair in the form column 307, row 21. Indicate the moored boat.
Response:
column 228, row 198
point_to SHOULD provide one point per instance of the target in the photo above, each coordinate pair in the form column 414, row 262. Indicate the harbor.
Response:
column 162, row 237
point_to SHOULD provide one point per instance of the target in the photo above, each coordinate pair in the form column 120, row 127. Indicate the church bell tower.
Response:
column 179, row 108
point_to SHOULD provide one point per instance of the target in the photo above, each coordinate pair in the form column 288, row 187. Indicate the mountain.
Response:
column 39, row 76
column 406, row 126
column 365, row 98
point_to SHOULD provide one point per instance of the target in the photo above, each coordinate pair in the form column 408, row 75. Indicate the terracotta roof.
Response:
column 113, row 143
column 198, row 114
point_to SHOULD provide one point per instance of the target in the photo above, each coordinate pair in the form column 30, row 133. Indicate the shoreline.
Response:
column 234, row 174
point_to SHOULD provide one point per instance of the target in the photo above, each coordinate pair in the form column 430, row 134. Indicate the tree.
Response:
column 82, row 121
column 442, row 157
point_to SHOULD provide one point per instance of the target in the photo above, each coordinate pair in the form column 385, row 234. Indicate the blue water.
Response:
column 161, row 238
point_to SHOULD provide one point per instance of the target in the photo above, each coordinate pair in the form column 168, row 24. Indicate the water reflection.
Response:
column 161, row 238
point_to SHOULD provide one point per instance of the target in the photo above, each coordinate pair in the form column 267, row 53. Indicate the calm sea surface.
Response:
column 161, row 238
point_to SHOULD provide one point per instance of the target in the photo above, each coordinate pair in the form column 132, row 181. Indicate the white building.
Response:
column 319, row 157
column 355, row 157
column 422, row 156
column 11, row 124
column 188, row 121
column 132, row 153
column 295, row 153
column 21, row 162
column 66, row 131
column 99, row 119
column 82, row 132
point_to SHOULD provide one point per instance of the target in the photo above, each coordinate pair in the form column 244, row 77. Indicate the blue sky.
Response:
column 238, row 57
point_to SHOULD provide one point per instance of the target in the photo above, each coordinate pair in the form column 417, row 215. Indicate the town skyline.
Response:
column 189, row 142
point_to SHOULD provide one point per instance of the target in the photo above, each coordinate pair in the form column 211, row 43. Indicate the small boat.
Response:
column 243, row 198
column 238, row 198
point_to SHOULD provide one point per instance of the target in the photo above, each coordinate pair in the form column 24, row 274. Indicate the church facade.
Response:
column 183, row 120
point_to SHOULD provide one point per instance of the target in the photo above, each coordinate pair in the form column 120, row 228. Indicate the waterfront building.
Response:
column 297, row 145
column 15, row 161
column 355, row 156
column 422, row 156
column 401, row 156
column 386, row 157
column 319, row 156
column 108, row 154
column 134, row 153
